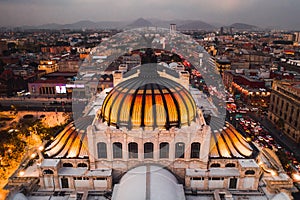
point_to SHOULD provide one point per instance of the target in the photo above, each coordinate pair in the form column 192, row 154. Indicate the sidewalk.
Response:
column 282, row 139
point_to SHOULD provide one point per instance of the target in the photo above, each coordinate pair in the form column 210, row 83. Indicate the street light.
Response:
column 33, row 155
column 21, row 173
column 296, row 177
column 41, row 148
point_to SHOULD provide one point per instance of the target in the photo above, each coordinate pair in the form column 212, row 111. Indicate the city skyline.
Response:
column 266, row 14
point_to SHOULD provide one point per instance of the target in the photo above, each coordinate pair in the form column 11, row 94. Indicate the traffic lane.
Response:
column 279, row 137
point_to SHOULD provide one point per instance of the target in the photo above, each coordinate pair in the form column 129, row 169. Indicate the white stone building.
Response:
column 149, row 119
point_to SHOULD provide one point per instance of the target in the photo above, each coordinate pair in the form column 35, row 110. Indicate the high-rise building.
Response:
column 172, row 28
column 297, row 37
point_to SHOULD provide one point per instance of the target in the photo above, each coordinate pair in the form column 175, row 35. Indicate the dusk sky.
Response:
column 264, row 13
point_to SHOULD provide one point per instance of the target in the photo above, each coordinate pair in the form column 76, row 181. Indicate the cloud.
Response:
column 257, row 12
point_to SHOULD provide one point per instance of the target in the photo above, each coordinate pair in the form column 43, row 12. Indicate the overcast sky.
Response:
column 266, row 13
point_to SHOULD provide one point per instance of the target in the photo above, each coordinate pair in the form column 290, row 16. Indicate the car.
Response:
column 278, row 146
column 260, row 138
column 266, row 139
column 269, row 137
column 254, row 109
column 242, row 111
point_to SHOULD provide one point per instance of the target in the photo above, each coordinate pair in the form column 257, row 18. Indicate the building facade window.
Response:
column 195, row 150
column 198, row 178
column 216, row 178
column 48, row 171
column 117, row 150
column 64, row 182
column 82, row 165
column 81, row 178
column 250, row 172
column 102, row 150
column 230, row 165
column 148, row 150
column 215, row 165
column 164, row 150
column 133, row 150
column 67, row 165
column 179, row 150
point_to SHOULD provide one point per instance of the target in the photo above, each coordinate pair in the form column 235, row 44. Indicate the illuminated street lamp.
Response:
column 33, row 155
column 41, row 148
column 296, row 177
column 21, row 173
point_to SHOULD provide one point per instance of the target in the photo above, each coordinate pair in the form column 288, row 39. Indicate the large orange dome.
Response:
column 148, row 101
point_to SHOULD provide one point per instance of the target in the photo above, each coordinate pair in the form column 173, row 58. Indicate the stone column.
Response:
column 187, row 153
column 172, row 151
column 205, row 144
column 71, row 183
column 109, row 147
column 187, row 181
column 225, row 183
column 92, row 146
column 156, row 148
column 42, row 182
column 56, row 183
column 91, row 183
column 109, row 183
column 140, row 150
column 125, row 147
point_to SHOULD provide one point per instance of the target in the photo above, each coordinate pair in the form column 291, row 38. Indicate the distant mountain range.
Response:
column 141, row 22
column 241, row 26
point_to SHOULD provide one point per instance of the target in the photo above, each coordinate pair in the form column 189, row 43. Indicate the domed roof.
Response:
column 148, row 101
column 148, row 182
column 71, row 142
column 20, row 196
column 227, row 142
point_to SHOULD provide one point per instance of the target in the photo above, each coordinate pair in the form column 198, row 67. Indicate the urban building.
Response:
column 57, row 84
column 248, row 86
column 3, row 47
column 48, row 66
column 128, row 132
column 148, row 128
column 284, row 109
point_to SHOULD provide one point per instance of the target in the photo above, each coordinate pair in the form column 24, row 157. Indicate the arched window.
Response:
column 133, row 150
column 250, row 172
column 215, row 165
column 82, row 165
column 67, row 165
column 179, row 150
column 195, row 150
column 164, row 150
column 230, row 165
column 102, row 150
column 117, row 150
column 48, row 171
column 148, row 150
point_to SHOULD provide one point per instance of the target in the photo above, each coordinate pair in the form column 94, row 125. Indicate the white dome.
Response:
column 281, row 196
column 20, row 196
column 148, row 181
